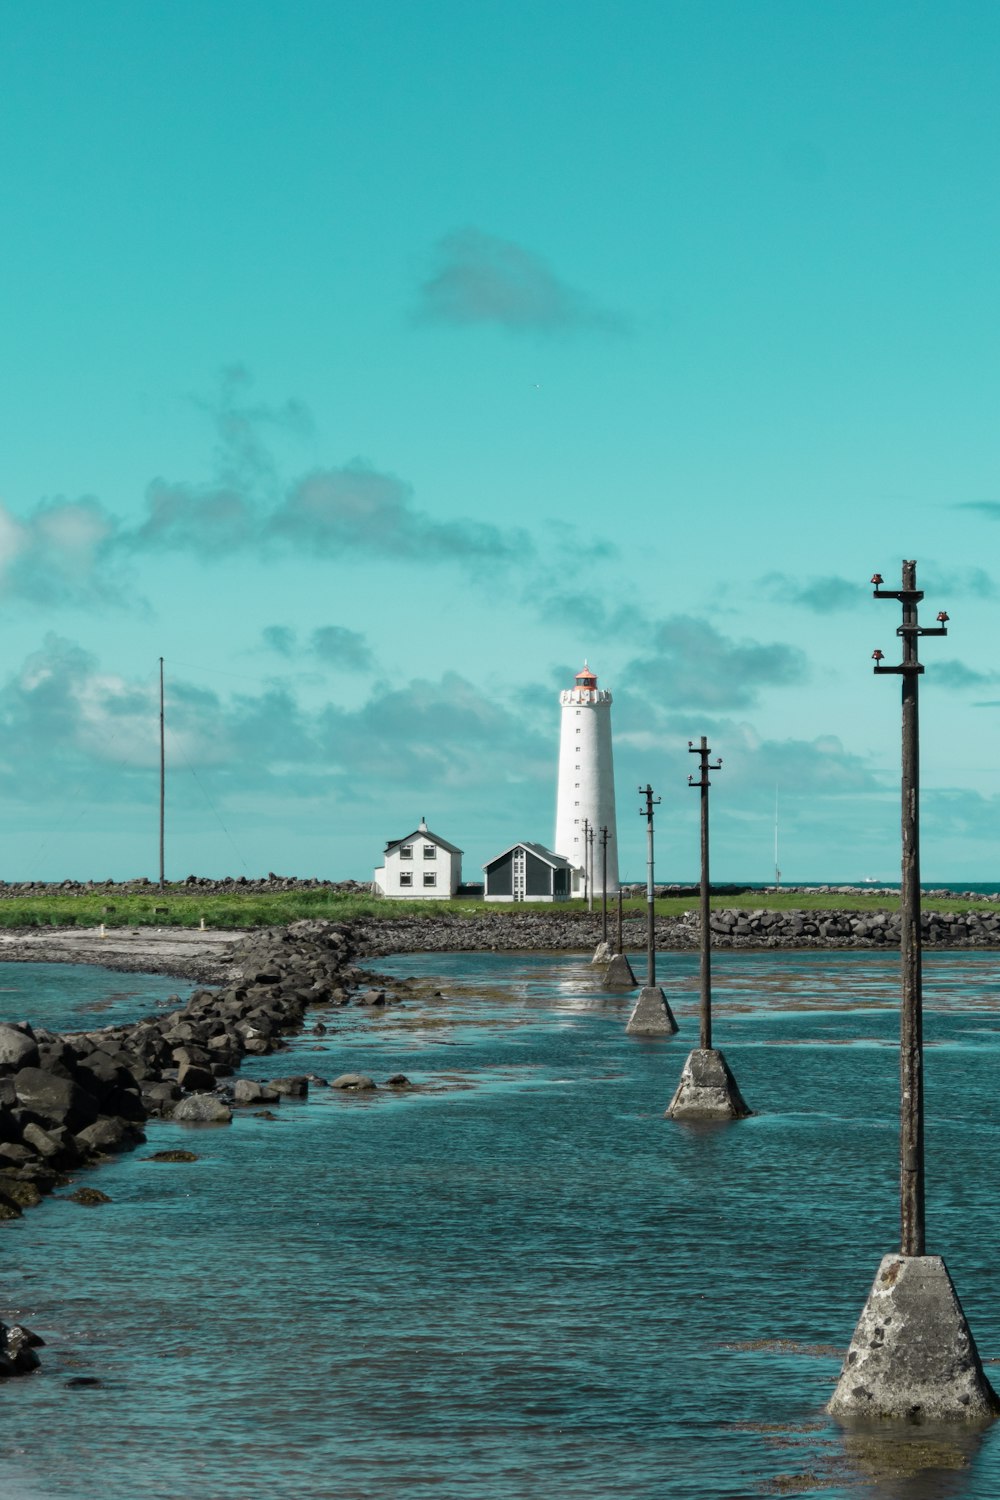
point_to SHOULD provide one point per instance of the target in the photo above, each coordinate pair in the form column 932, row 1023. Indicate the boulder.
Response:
column 195, row 1079
column 249, row 1091
column 292, row 1088
column 108, row 1135
column 202, row 1109
column 18, row 1049
column 56, row 1100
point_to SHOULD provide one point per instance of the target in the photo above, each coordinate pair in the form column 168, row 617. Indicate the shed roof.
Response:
column 539, row 850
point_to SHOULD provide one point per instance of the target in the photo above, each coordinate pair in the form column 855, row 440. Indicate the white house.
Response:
column 527, row 872
column 419, row 865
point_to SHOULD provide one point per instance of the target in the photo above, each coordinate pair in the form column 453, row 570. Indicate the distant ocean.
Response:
column 960, row 887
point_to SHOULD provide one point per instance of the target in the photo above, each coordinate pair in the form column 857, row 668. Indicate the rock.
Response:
column 17, row 1350
column 172, row 1155
column 18, row 1048
column 249, row 1091
column 89, row 1197
column 19, row 1190
column 108, row 1135
column 291, row 1088
column 356, row 1081
column 194, row 1079
column 202, row 1109
column 57, row 1100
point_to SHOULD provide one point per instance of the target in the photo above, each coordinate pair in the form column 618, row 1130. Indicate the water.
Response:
column 521, row 1280
column 78, row 997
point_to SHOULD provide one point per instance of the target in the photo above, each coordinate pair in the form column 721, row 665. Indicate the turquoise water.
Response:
column 520, row 1280
column 77, row 997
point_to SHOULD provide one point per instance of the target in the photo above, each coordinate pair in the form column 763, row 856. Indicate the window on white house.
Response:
column 406, row 852
column 406, row 877
column 430, row 877
column 430, row 851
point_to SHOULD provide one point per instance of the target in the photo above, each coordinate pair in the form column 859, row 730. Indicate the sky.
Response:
column 377, row 362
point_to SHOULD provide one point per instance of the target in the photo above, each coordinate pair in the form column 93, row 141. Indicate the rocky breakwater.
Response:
column 69, row 1101
column 732, row 928
column 549, row 929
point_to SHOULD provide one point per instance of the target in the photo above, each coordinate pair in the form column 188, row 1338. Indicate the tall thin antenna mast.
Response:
column 162, row 774
column 777, row 872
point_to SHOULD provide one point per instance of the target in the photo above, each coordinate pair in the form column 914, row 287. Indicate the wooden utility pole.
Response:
column 911, row 1042
column 586, row 862
column 604, row 883
column 647, row 813
column 703, row 784
column 162, row 777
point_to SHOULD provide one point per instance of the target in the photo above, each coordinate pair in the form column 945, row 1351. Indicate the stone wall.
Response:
column 731, row 928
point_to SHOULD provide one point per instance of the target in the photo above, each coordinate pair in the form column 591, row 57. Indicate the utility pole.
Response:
column 911, row 1041
column 590, row 862
column 604, row 884
column 647, row 813
column 893, row 1369
column 586, row 865
column 652, row 1015
column 703, row 785
column 162, row 775
column 707, row 1089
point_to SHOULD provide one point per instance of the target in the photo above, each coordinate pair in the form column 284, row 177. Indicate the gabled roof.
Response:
column 423, row 833
column 539, row 850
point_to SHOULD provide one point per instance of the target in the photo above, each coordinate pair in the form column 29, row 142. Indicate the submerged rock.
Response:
column 89, row 1197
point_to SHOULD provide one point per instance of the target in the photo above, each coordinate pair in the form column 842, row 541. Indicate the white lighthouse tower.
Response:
column 586, row 796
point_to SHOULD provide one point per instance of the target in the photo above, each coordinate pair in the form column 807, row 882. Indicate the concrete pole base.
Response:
column 913, row 1357
column 618, row 975
column 651, row 1015
column 707, row 1090
column 602, row 953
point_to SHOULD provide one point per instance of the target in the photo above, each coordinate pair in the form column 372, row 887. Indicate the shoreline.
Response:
column 216, row 956
column 202, row 957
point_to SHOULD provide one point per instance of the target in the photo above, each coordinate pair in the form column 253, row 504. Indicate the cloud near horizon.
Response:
column 69, row 727
column 80, row 742
column 481, row 278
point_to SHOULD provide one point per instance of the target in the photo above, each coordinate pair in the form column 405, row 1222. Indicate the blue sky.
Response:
column 375, row 363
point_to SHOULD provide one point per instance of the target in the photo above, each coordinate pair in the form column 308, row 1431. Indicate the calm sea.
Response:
column 520, row 1281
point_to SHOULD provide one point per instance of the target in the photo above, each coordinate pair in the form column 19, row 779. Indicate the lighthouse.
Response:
column 585, row 800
